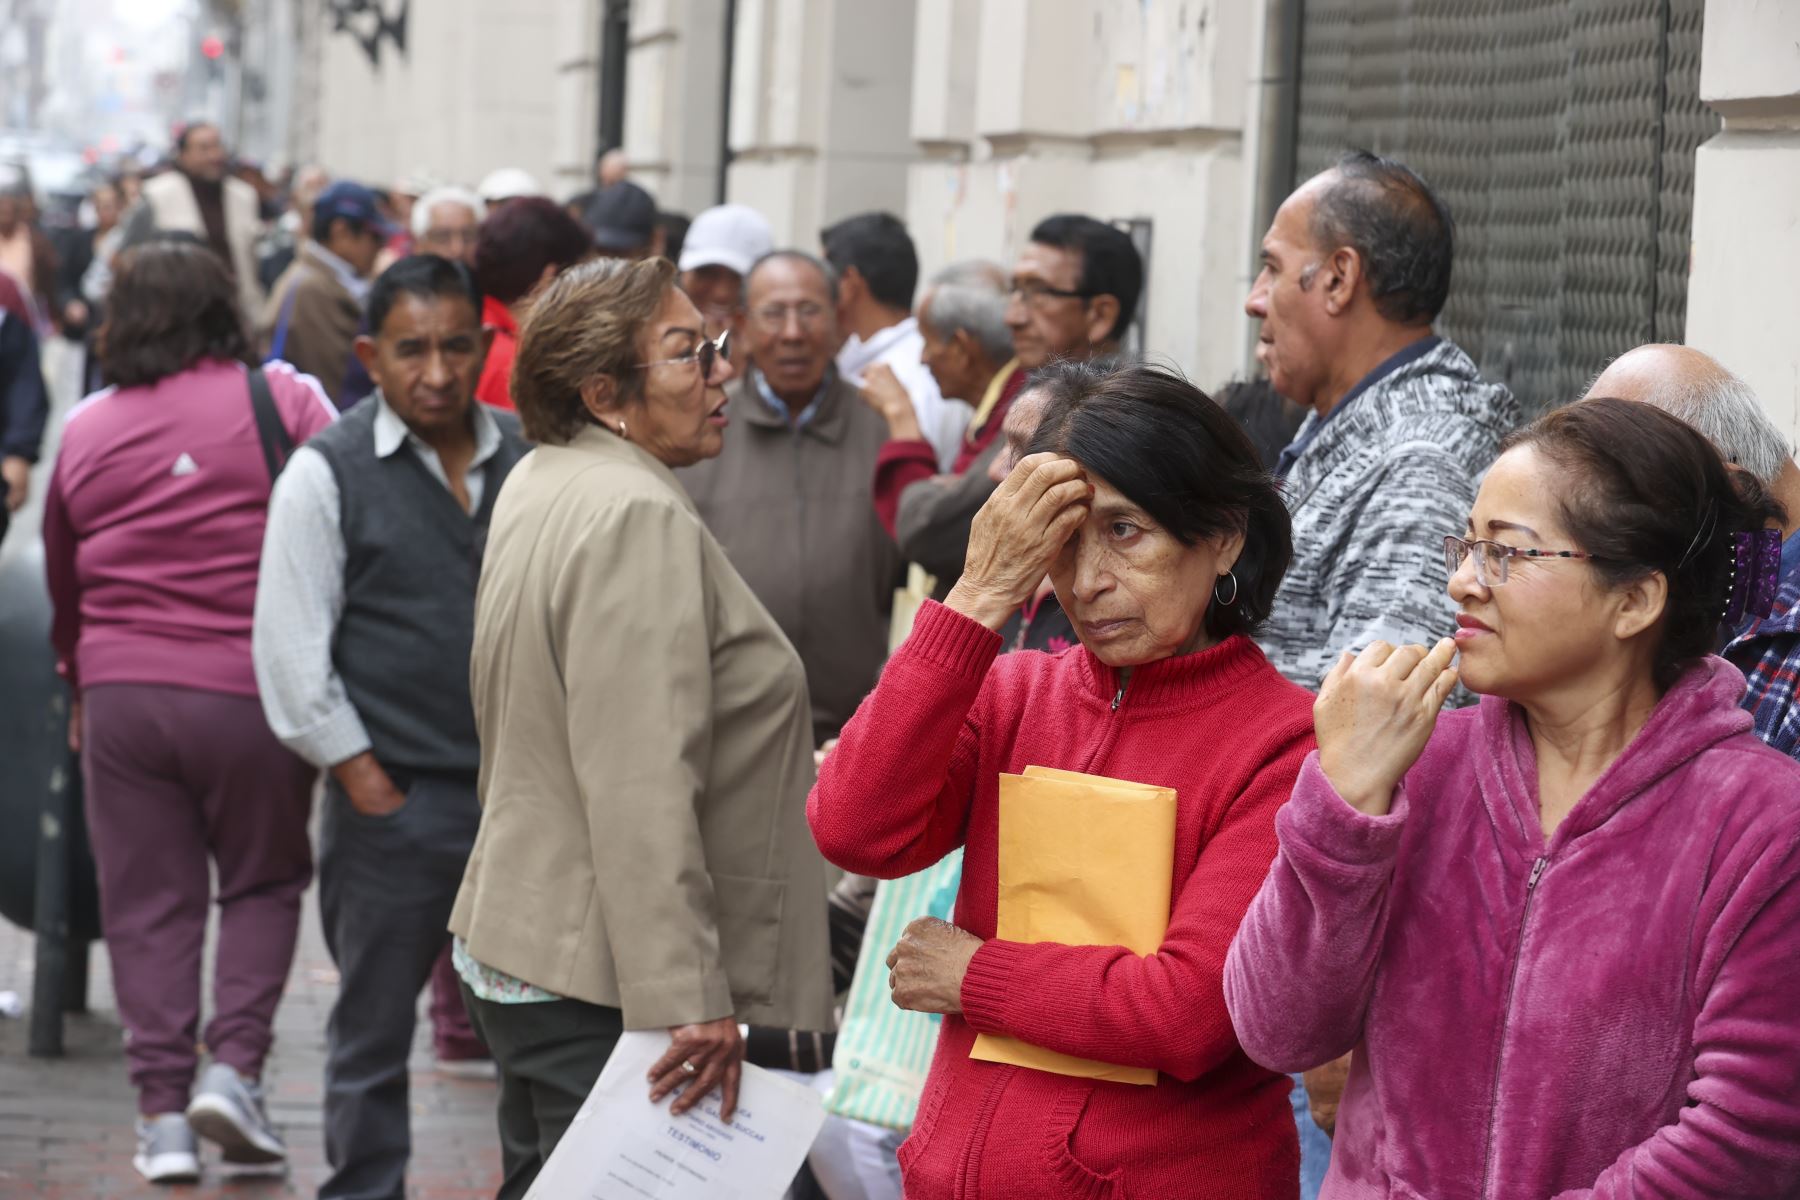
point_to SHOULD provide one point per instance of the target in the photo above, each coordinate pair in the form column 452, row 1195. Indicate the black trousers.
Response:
column 386, row 886
column 549, row 1053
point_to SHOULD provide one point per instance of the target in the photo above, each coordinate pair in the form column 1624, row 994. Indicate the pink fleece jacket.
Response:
column 153, row 526
column 1614, row 1013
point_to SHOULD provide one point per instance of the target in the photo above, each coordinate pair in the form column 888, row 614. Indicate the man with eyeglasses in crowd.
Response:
column 1073, row 294
column 788, row 498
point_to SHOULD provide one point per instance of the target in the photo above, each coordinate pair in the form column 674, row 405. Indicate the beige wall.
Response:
column 1115, row 108
column 1743, row 306
column 481, row 85
column 974, row 119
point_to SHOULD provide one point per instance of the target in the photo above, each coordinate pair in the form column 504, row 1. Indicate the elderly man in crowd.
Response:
column 967, row 347
column 789, row 496
column 1693, row 386
column 446, row 221
column 1355, row 268
column 316, row 307
column 878, row 271
column 1074, row 293
column 722, row 244
column 364, row 622
column 201, row 198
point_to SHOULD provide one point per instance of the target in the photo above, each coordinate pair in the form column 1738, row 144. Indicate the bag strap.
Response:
column 278, row 343
column 277, row 444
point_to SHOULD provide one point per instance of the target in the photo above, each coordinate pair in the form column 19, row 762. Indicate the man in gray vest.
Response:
column 364, row 619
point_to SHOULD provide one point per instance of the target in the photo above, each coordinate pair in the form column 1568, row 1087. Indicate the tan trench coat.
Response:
column 646, row 755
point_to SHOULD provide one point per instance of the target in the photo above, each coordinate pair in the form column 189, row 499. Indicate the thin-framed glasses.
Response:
column 1032, row 291
column 775, row 316
column 706, row 354
column 1491, row 558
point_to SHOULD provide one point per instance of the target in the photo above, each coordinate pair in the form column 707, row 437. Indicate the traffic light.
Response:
column 211, row 47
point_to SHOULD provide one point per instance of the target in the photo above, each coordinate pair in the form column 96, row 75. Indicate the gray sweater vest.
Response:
column 412, row 558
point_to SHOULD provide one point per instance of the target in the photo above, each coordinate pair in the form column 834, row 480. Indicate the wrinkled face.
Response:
column 451, row 232
column 1293, row 346
column 718, row 292
column 680, row 417
column 792, row 326
column 1017, row 431
column 1134, row 593
column 204, row 155
column 1552, row 622
column 1046, row 326
column 426, row 358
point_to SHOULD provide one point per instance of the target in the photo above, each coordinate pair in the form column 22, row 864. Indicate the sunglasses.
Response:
column 707, row 353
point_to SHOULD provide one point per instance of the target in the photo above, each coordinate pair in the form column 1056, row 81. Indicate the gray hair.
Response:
column 1725, row 410
column 421, row 212
column 971, row 297
column 816, row 263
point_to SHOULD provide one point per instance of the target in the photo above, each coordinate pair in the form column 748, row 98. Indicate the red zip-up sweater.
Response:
column 917, row 774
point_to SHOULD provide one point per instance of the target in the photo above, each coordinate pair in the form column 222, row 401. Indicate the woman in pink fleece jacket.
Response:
column 1559, row 929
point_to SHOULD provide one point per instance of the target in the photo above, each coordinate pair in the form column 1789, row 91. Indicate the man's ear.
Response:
column 1102, row 315
column 366, row 353
column 487, row 346
column 1342, row 271
column 851, row 288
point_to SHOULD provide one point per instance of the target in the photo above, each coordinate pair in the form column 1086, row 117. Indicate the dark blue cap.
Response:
column 352, row 202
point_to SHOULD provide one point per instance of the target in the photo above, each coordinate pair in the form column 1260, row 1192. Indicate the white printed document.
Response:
column 622, row 1147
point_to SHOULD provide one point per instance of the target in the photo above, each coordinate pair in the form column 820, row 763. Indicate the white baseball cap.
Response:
column 730, row 235
column 508, row 183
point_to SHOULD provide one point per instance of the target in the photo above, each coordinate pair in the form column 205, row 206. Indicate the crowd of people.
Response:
column 644, row 591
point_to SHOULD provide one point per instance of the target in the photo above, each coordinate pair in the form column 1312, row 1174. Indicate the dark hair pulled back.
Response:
column 1171, row 451
column 1649, row 494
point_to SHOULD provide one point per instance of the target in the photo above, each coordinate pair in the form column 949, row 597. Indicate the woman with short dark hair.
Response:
column 153, row 532
column 522, row 246
column 1556, row 929
column 1165, row 541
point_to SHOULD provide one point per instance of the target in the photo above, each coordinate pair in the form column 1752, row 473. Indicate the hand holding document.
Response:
column 1084, row 861
column 622, row 1147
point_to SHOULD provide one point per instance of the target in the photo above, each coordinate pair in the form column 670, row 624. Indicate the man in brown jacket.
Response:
column 316, row 308
column 790, row 497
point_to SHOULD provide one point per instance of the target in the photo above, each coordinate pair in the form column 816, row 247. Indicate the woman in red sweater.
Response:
column 1166, row 543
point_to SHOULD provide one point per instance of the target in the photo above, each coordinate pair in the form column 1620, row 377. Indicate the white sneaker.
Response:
column 166, row 1150
column 228, row 1109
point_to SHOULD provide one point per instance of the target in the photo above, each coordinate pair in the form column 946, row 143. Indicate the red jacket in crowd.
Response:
column 917, row 773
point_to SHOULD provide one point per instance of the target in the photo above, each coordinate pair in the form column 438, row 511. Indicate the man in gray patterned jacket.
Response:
column 1355, row 268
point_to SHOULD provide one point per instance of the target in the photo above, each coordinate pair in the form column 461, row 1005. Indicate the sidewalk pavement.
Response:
column 66, row 1124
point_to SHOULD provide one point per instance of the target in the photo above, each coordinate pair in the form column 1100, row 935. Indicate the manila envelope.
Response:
column 1084, row 861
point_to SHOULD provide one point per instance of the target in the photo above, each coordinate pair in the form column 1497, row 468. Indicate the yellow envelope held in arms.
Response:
column 1084, row 861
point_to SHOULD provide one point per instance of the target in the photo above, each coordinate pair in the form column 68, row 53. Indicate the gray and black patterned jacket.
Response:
column 1372, row 497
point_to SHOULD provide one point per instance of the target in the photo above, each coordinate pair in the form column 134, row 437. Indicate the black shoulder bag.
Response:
column 276, row 442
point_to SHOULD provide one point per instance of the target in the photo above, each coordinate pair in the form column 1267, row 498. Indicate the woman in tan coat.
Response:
column 643, row 860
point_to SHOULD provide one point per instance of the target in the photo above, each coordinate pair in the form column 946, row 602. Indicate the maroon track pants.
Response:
column 176, row 777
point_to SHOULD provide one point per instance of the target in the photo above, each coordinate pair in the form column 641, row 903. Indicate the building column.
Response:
column 1130, row 112
column 1742, row 305
column 675, row 100
column 820, row 96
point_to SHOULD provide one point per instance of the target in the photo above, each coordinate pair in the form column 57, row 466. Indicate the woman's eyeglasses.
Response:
column 706, row 354
column 1491, row 558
